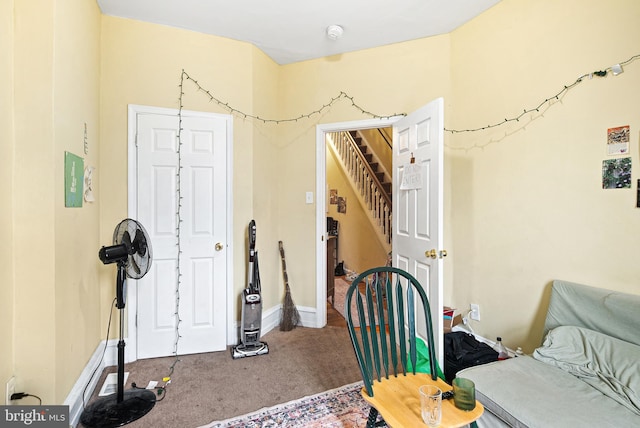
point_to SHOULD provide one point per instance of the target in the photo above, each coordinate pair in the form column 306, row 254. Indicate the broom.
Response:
column 289, row 317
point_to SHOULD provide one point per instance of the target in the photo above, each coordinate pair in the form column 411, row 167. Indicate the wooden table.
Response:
column 398, row 401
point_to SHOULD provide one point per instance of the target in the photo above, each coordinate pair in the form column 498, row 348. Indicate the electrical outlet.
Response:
column 475, row 312
column 11, row 389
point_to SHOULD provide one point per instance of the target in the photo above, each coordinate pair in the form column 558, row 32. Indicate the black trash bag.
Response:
column 339, row 271
column 462, row 350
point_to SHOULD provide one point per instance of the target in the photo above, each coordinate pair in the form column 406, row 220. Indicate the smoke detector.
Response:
column 334, row 32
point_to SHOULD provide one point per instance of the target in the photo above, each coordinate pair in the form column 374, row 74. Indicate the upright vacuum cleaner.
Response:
column 250, row 344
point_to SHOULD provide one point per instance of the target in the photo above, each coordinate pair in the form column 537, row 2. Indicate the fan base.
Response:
column 106, row 412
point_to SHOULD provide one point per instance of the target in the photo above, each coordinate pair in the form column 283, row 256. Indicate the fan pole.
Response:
column 126, row 406
column 121, row 344
column 120, row 288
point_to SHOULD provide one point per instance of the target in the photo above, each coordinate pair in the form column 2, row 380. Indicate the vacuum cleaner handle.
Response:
column 252, row 277
column 252, row 240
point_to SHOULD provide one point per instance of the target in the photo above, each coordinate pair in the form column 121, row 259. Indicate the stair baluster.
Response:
column 366, row 181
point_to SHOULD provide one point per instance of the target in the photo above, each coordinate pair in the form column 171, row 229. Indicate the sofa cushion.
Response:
column 610, row 312
column 610, row 365
column 525, row 392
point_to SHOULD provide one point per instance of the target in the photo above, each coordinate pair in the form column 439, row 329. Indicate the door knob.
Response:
column 219, row 246
column 434, row 254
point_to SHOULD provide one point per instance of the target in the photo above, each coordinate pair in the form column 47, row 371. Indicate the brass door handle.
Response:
column 219, row 246
column 433, row 254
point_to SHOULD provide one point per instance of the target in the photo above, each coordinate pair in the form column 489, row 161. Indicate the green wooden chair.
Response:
column 384, row 307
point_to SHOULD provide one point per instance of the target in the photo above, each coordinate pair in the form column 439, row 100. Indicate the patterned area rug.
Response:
column 342, row 407
column 341, row 287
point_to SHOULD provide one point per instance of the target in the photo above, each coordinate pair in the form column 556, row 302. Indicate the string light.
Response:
column 548, row 101
column 178, row 230
column 615, row 69
column 319, row 111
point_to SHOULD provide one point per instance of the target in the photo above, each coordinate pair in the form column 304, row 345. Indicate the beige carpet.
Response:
column 213, row 386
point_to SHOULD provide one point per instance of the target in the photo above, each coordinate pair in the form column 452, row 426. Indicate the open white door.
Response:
column 204, row 232
column 417, row 212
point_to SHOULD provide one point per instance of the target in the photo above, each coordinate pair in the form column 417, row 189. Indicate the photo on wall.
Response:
column 333, row 196
column 73, row 180
column 616, row 173
column 618, row 140
column 342, row 205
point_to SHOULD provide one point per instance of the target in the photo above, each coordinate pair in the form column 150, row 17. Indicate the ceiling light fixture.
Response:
column 334, row 32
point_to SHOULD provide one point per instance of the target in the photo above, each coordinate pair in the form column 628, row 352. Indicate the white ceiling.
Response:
column 295, row 30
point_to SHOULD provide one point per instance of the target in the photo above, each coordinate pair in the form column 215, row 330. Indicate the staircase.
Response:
column 383, row 178
column 372, row 184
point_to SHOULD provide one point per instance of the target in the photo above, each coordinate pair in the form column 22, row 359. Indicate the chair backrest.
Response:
column 385, row 301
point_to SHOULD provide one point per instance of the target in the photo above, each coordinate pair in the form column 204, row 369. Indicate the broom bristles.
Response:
column 290, row 317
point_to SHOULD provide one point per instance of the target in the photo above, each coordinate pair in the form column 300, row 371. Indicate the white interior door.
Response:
column 190, row 269
column 417, row 212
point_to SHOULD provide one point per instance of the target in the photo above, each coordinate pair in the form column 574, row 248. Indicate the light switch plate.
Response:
column 475, row 312
column 11, row 389
column 309, row 197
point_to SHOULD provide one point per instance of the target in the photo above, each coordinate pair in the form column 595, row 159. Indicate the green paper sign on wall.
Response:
column 73, row 180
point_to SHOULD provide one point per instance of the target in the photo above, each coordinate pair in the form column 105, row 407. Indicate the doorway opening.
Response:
column 339, row 204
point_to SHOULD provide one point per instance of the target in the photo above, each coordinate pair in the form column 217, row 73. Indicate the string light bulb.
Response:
column 616, row 69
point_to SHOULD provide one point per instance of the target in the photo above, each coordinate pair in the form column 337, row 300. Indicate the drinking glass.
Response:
column 464, row 394
column 431, row 405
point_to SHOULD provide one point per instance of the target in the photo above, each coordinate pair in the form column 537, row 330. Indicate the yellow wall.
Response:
column 264, row 169
column 33, row 222
column 76, row 71
column 523, row 203
column 6, row 191
column 526, row 200
column 55, row 91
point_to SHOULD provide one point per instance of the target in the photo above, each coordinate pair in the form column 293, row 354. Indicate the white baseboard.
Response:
column 308, row 317
column 89, row 377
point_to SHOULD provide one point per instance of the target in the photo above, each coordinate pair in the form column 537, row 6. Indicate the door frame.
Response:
column 134, row 110
column 321, row 202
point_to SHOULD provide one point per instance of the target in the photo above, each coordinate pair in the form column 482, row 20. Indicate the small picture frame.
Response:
column 342, row 205
column 616, row 173
column 73, row 180
column 618, row 140
column 333, row 196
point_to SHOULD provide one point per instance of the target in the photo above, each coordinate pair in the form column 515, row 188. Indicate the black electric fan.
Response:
column 131, row 250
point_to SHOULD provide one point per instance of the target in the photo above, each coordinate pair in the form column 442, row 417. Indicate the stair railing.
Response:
column 365, row 181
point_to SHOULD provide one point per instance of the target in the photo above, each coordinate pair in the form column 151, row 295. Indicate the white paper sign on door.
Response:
column 411, row 177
